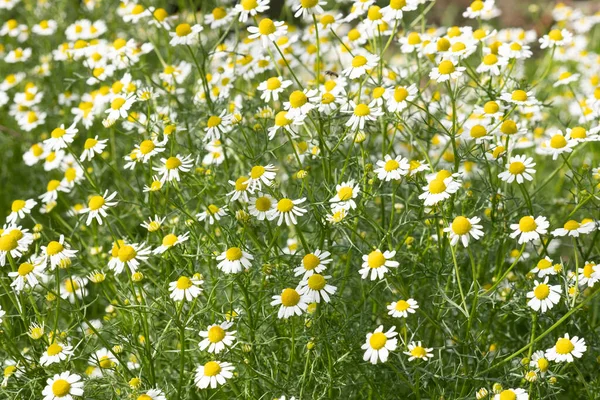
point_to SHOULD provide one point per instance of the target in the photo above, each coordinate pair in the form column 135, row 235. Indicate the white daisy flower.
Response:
column 361, row 114
column 250, row 8
column 216, row 126
column 185, row 34
column 539, row 362
column 73, row 288
column 462, row 228
column 55, row 353
column 63, row 387
column 379, row 344
column 240, row 189
column 544, row 267
column 291, row 303
column 401, row 308
column 566, row 348
column 313, row 263
column 57, row 253
column 287, row 210
column 515, row 394
column 172, row 166
column 262, row 207
column 272, row 88
column 361, row 65
column 440, row 189
column 543, row 296
column 377, row 263
column 212, row 214
column 556, row 37
column 170, row 241
column 397, row 98
column 417, row 351
column 104, row 358
column 152, row 394
column 119, row 107
column 315, row 288
column 445, row 71
column 346, row 192
column 574, row 229
column 492, row 64
column 150, row 147
column 217, row 337
column 152, row 225
column 234, row 260
column 128, row 255
column 97, row 207
column 520, row 98
column 20, row 208
column 268, row 30
column 300, row 103
column 61, row 137
column 392, row 168
column 184, row 287
column 91, row 147
column 529, row 228
column 395, row 10
column 515, row 50
column 519, row 168
column 589, row 274
column 28, row 274
column 213, row 373
column 305, row 8
column 260, row 175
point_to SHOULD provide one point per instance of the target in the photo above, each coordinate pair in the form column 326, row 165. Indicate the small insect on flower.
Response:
column 401, row 308
column 287, row 210
column 377, row 264
column 217, row 337
column 63, row 387
column 346, row 192
column 213, row 373
column 57, row 252
column 315, row 288
column 184, row 287
column 170, row 241
column 97, row 207
column 313, row 263
column 91, row 147
column 529, row 229
column 543, row 296
column 519, row 168
column 379, row 344
column 566, row 349
column 462, row 228
column 417, row 351
column 512, row 394
column 291, row 303
column 55, row 353
column 234, row 260
column 20, row 208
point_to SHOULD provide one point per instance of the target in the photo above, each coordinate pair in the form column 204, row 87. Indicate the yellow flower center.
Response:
column 160, row 14
column 219, row 13
column 233, row 254
column 183, row 30
column 556, row 35
column 413, row 38
column 458, row 46
column 17, row 205
column 298, row 99
column 310, row 262
column 172, row 163
column 58, row 133
column 327, row 20
column 25, row 269
column 508, row 395
column 397, row 4
column 446, row 67
column 491, row 107
column 281, row 120
column 362, row 110
column 216, row 334
column 402, row 305
column 437, row 186
column 375, row 259
column 564, row 346
column 378, row 340
column 54, row 248
column 263, row 204
column 374, row 13
column 327, row 98
column 241, row 183
column 516, row 168
column 519, row 95
column 90, row 143
column 273, row 83
column 290, row 297
column 266, row 27
column 117, row 103
column 578, row 133
column 8, row 371
column 588, row 270
column 316, row 282
column 564, row 75
column 184, row 283
column 345, row 193
column 61, row 388
column 212, row 368
column 359, row 61
column 543, row 364
column 144, row 397
column 96, row 202
column 558, row 141
column 54, row 349
column 509, row 127
column 544, row 264
column 515, row 46
column 571, row 225
column 106, row 362
column 400, row 94
column 443, row 44
column 477, row 5
column 126, row 253
column 541, row 291
column 391, row 165
column 147, row 146
column 308, row 3
column 527, row 224
column 461, row 225
column 418, row 352
column 478, row 131
column 169, row 240
column 285, row 205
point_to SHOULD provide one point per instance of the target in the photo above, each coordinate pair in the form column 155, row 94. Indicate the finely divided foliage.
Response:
column 297, row 199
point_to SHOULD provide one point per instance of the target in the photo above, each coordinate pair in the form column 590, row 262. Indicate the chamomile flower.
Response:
column 539, row 362
column 262, row 207
column 589, row 274
column 377, row 264
column 492, row 64
column 392, row 168
column 305, row 8
column 260, row 175
column 463, row 228
column 73, row 288
column 315, row 288
column 155, row 185
column 397, row 98
column 185, row 287
column 556, row 37
column 515, row 50
column 97, row 207
column 105, row 359
column 519, row 168
column 28, row 274
column 313, row 263
column 217, row 337
column 290, row 302
column 515, row 394
column 150, row 147
column 152, row 394
column 234, row 260
column 566, row 349
column 529, row 228
column 214, row 373
column 520, row 97
column 250, row 8
column 217, row 125
column 128, row 255
column 268, row 30
column 119, row 107
column 212, row 214
column 55, row 353
column 543, row 296
column 300, row 103
column 379, row 344
column 395, row 10
column 56, row 253
column 416, row 351
column 171, row 240
column 185, row 34
column 361, row 114
column 172, row 166
column 240, row 189
column 153, row 225
column 361, row 65
column 346, row 192
column 445, row 71
column 273, row 87
column 19, row 209
column 63, row 386
column 61, row 137
column 439, row 189
column 91, row 147
column 544, row 267
column 401, row 308
column 287, row 210
column 574, row 229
